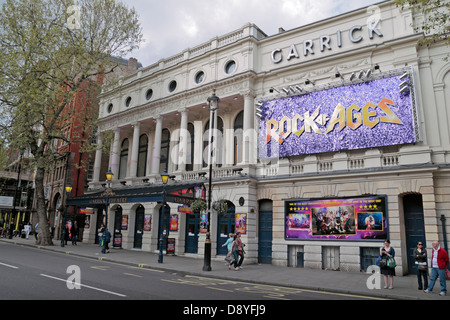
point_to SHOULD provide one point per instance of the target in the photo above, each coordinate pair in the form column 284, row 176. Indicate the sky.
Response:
column 171, row 26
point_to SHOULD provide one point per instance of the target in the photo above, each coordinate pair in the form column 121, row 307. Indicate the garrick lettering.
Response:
column 355, row 35
column 352, row 117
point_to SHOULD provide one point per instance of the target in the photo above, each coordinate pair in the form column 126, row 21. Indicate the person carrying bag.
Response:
column 420, row 255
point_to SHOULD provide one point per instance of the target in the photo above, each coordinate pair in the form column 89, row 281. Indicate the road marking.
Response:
column 9, row 266
column 220, row 289
column 132, row 275
column 279, row 298
column 102, row 268
column 86, row 286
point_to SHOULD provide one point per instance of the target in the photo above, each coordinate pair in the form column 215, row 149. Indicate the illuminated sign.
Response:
column 361, row 218
column 363, row 115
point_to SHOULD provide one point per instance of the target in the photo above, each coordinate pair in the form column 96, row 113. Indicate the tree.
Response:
column 50, row 50
column 436, row 22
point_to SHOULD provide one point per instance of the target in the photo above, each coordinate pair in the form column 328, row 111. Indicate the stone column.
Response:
column 249, row 126
column 98, row 158
column 115, row 154
column 184, row 136
column 135, row 150
column 156, row 153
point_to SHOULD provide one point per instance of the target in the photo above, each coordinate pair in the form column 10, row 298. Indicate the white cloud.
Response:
column 170, row 26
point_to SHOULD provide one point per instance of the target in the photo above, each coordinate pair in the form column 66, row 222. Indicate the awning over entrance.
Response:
column 183, row 193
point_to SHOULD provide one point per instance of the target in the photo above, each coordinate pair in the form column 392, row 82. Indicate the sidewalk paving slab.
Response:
column 350, row 283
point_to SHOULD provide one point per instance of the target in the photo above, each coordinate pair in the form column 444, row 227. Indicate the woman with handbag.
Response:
column 420, row 255
column 238, row 252
column 388, row 271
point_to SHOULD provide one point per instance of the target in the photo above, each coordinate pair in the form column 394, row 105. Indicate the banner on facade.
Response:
column 374, row 113
column 359, row 218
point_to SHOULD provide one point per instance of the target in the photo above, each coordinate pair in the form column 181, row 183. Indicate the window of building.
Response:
column 172, row 86
column 123, row 159
column 190, row 148
column 218, row 127
column 110, row 108
column 142, row 156
column 165, row 147
column 128, row 102
column 230, row 67
column 149, row 94
column 199, row 77
column 238, row 137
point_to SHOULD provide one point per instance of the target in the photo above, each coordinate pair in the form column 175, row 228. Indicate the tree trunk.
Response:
column 44, row 236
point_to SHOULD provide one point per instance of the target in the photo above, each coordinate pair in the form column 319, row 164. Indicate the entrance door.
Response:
column 118, row 227
column 226, row 225
column 100, row 220
column 265, row 232
column 414, row 226
column 139, row 227
column 192, row 229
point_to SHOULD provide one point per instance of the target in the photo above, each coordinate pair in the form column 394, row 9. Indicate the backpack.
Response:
column 107, row 236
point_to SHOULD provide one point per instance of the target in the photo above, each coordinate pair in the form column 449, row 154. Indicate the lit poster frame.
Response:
column 357, row 218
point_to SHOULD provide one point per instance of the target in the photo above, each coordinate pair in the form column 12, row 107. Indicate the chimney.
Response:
column 132, row 64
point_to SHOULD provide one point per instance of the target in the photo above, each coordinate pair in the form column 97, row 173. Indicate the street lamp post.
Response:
column 63, row 237
column 108, row 193
column 164, row 178
column 213, row 102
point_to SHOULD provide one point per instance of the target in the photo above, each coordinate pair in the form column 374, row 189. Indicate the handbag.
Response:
column 382, row 263
column 447, row 274
column 423, row 267
column 390, row 262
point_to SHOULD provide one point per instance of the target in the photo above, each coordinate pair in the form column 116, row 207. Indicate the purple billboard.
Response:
column 362, row 115
column 359, row 218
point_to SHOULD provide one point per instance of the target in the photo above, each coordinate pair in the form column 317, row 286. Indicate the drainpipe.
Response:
column 444, row 232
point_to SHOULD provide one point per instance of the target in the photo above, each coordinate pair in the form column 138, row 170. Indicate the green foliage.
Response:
column 436, row 21
column 51, row 52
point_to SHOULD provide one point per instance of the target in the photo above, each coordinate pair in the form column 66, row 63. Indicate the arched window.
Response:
column 190, row 148
column 219, row 127
column 142, row 156
column 165, row 147
column 123, row 159
column 238, row 134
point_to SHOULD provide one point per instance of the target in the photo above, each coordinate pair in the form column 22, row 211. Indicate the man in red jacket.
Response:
column 439, row 262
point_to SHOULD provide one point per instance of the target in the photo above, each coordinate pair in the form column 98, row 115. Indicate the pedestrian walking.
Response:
column 229, row 244
column 238, row 252
column 66, row 233
column 74, row 233
column 420, row 255
column 106, row 240
column 439, row 262
column 388, row 271
column 27, row 229
column 100, row 235
column 36, row 231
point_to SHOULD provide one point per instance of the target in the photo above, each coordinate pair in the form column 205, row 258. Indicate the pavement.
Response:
column 349, row 283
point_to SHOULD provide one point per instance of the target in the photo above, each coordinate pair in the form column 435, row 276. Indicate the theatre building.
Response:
column 328, row 139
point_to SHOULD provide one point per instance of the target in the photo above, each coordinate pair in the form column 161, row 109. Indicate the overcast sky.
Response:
column 170, row 26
